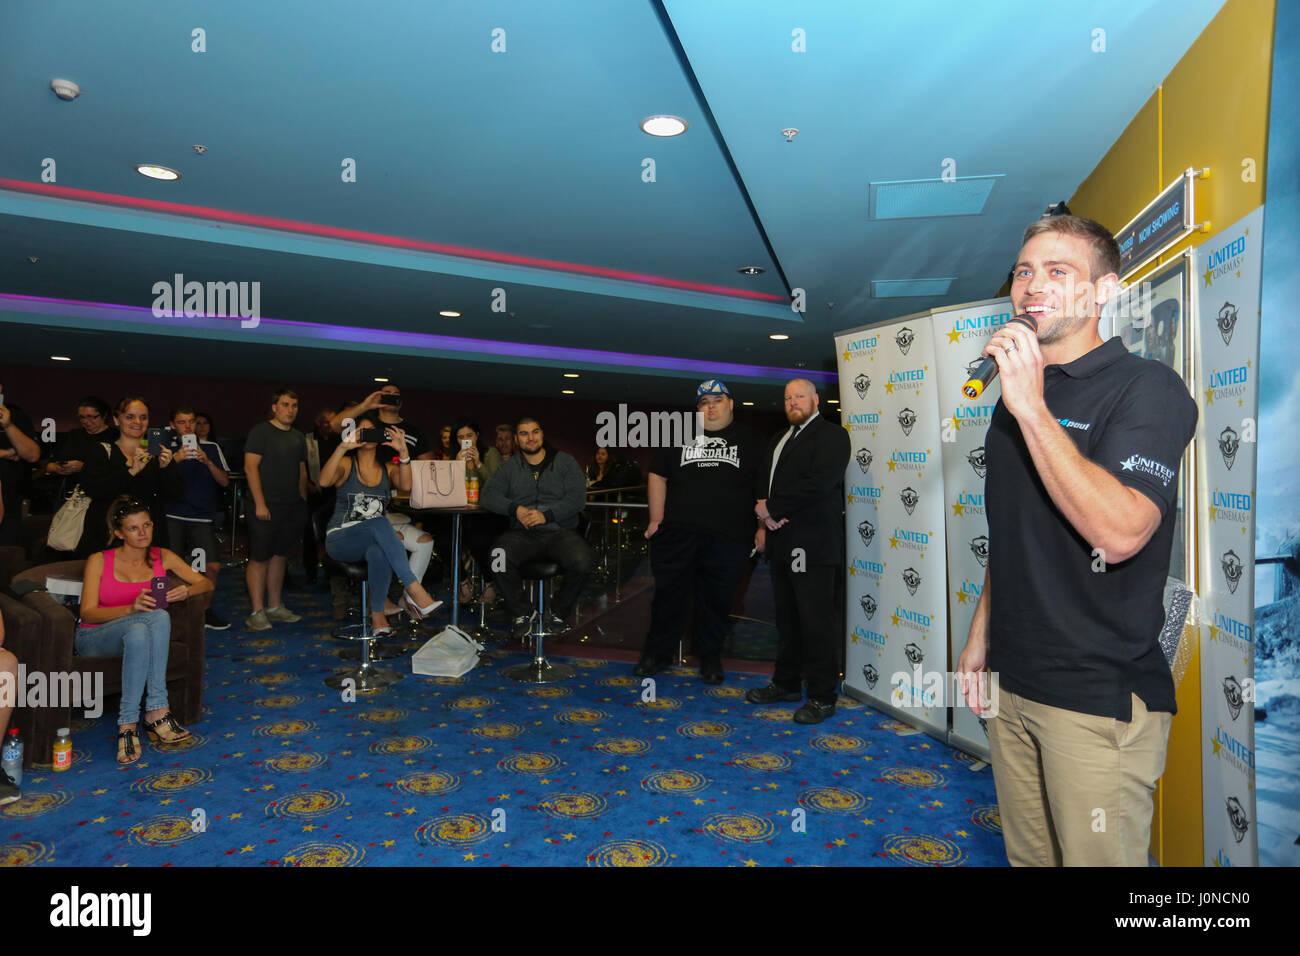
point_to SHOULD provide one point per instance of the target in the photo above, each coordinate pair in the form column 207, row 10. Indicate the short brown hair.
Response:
column 1105, row 250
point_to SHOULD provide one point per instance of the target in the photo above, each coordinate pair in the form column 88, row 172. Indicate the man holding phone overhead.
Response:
column 387, row 404
column 190, row 531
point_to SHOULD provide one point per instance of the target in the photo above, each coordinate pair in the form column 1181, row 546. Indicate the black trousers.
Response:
column 562, row 546
column 810, row 628
column 682, row 559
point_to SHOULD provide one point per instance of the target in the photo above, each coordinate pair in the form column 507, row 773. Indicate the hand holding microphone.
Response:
column 987, row 370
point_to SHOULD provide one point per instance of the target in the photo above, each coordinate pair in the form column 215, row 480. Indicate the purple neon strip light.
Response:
column 424, row 340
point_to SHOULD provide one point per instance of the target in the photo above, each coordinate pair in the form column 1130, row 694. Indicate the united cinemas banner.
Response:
column 896, row 616
column 1228, row 284
column 960, row 334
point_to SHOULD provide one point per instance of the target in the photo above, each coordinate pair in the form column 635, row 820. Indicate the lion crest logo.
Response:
column 1232, row 693
column 904, row 339
column 907, row 418
column 909, row 499
column 867, row 531
column 1228, row 445
column 868, row 606
column 912, row 580
column 861, row 384
column 864, row 458
column 976, row 460
column 914, row 653
column 979, row 546
column 1227, row 322
column 1237, row 818
column 870, row 675
column 1232, row 569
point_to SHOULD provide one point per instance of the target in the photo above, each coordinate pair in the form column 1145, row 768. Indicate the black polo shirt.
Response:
column 1059, row 632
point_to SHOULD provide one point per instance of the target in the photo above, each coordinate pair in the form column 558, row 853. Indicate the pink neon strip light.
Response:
column 372, row 238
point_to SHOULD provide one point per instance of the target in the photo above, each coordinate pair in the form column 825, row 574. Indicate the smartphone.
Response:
column 376, row 435
column 190, row 442
column 154, row 441
column 466, row 443
column 395, row 400
column 158, row 591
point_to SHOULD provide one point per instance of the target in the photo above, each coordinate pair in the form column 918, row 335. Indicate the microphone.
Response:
column 988, row 368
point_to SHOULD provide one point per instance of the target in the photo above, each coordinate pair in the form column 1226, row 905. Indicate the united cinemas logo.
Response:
column 1148, row 466
column 866, row 491
column 976, row 461
column 910, row 540
column 862, row 421
column 968, row 503
column 904, row 338
column 915, row 620
column 1227, row 747
column 1224, row 260
column 1227, row 321
column 864, row 458
column 1230, row 506
column 870, row 636
column 912, row 378
column 973, row 414
column 861, row 384
column 1240, row 634
column 871, row 569
column 908, row 693
column 908, row 461
column 980, row 326
column 1229, row 383
column 862, row 346
column 969, row 590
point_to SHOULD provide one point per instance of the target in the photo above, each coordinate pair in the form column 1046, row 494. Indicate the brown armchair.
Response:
column 22, row 637
column 54, row 653
column 15, row 558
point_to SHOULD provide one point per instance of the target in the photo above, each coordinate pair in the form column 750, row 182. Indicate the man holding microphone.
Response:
column 1082, row 484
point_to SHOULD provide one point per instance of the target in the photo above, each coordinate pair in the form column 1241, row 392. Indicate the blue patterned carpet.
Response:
column 484, row 771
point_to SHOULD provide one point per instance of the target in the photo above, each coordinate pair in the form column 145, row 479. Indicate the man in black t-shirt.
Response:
column 388, row 402
column 701, row 529
column 1082, row 454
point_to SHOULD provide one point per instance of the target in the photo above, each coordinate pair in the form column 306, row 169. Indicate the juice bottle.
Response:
column 63, row 749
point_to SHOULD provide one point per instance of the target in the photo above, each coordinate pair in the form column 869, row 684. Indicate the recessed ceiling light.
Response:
column 747, row 403
column 832, row 401
column 566, row 391
column 570, row 374
column 156, row 172
column 381, row 380
column 60, row 358
column 751, row 270
column 449, row 314
column 778, row 336
column 664, row 124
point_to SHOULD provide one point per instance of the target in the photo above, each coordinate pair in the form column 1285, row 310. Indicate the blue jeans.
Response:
column 142, row 640
column 376, row 540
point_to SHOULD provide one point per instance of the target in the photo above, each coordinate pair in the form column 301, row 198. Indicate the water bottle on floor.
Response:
column 13, row 756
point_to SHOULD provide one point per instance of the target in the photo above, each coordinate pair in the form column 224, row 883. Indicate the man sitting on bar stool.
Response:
column 543, row 491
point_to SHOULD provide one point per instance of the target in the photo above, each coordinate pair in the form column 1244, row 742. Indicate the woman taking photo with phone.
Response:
column 123, row 595
column 125, row 468
column 359, row 527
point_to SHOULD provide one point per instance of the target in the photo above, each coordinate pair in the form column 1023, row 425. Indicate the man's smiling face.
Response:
column 1053, row 282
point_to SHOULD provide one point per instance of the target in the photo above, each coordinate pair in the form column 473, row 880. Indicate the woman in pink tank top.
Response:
column 120, row 617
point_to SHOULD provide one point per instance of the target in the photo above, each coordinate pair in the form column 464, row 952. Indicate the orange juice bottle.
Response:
column 63, row 749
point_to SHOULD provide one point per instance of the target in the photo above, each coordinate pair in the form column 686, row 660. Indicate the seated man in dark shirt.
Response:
column 543, row 491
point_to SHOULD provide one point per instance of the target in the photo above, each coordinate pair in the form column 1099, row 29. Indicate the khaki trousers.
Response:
column 1075, row 789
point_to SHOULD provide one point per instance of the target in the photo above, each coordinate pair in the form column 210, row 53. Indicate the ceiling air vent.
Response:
column 923, row 198
column 902, row 288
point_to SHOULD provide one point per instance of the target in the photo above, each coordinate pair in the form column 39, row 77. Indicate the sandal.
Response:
column 128, row 749
column 175, row 733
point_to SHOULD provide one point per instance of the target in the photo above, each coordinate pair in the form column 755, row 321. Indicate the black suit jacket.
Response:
column 808, row 488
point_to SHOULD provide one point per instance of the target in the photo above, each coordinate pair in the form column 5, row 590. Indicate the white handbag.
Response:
column 69, row 522
column 449, row 653
column 438, row 484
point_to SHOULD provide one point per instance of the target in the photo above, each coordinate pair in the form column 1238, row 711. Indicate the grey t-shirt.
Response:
column 281, row 452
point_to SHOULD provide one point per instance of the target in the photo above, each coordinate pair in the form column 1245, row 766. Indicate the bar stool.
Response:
column 539, row 670
column 365, row 676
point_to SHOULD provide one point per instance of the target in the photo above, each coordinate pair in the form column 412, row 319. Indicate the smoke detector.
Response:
column 65, row 89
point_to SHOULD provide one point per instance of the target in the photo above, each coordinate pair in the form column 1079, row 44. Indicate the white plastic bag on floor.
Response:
column 449, row 653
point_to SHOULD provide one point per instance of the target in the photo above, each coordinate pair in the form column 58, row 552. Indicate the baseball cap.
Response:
column 711, row 387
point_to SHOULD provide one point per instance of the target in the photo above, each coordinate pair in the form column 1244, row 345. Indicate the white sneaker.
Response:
column 282, row 614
